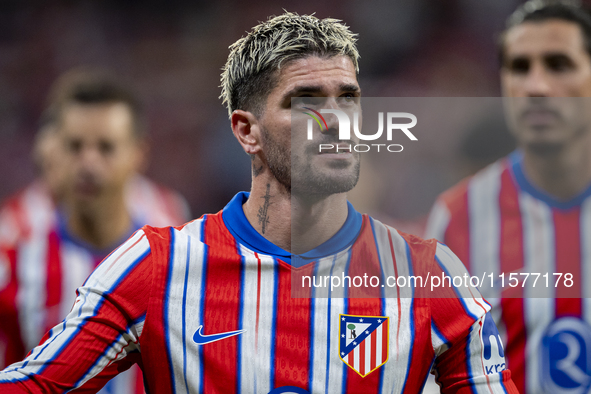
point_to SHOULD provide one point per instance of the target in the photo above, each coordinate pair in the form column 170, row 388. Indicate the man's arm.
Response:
column 101, row 333
column 468, row 348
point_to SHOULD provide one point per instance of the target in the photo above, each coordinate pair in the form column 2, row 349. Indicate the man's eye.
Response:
column 308, row 100
column 348, row 98
column 519, row 65
column 74, row 146
column 559, row 63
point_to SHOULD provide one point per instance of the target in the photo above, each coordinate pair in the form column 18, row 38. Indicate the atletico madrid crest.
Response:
column 363, row 342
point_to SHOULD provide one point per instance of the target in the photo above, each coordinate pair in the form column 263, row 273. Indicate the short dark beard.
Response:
column 309, row 182
column 278, row 159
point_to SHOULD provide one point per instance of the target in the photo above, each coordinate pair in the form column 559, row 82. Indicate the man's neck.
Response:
column 296, row 224
column 101, row 225
column 563, row 174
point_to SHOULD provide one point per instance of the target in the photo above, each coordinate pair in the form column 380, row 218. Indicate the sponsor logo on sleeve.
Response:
column 493, row 353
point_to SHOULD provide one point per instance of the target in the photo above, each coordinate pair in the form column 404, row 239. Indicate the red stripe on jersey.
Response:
column 292, row 333
column 53, row 281
column 511, row 260
column 422, row 260
column 568, row 261
column 457, row 233
column 153, row 339
column 364, row 262
column 221, row 307
column 10, row 327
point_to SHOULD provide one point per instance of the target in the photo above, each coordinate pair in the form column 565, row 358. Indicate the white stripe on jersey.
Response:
column 539, row 254
column 379, row 351
column 485, row 226
column 266, row 334
column 249, row 312
column 187, row 262
column 80, row 264
column 325, row 337
column 258, row 345
column 336, row 366
column 31, row 265
column 395, row 371
column 438, row 221
column 470, row 296
column 586, row 258
column 31, row 296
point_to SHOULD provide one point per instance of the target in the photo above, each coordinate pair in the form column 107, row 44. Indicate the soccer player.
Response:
column 530, row 212
column 88, row 152
column 208, row 307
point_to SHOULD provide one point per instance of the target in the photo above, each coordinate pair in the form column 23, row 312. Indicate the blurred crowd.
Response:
column 171, row 54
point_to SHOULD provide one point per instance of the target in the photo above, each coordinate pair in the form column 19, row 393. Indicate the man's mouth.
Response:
column 87, row 187
column 541, row 116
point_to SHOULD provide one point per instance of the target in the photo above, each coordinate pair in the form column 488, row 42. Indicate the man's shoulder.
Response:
column 457, row 195
column 197, row 229
column 30, row 210
column 400, row 238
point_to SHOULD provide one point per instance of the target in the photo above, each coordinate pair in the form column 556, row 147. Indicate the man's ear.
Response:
column 246, row 129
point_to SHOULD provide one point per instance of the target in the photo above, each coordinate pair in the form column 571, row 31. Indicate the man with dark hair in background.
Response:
column 208, row 306
column 89, row 198
column 530, row 212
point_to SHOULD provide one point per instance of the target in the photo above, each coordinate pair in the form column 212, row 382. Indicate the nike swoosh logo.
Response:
column 201, row 339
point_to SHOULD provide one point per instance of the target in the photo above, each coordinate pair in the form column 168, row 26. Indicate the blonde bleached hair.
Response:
column 251, row 70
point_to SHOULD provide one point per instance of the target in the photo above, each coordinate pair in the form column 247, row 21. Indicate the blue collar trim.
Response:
column 66, row 236
column 241, row 229
column 516, row 163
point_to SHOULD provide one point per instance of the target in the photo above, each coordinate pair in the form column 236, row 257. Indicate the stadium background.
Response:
column 171, row 53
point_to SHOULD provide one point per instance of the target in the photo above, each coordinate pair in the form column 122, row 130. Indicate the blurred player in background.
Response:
column 88, row 198
column 531, row 211
column 207, row 307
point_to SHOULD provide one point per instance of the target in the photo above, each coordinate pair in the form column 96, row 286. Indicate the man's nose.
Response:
column 332, row 120
column 89, row 156
column 537, row 82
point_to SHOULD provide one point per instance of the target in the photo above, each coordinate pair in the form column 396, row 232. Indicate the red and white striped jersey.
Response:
column 31, row 209
column 498, row 222
column 207, row 307
column 41, row 264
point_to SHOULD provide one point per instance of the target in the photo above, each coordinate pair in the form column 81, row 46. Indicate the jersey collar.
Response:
column 241, row 229
column 66, row 236
column 516, row 164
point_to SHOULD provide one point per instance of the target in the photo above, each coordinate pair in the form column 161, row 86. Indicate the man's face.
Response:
column 100, row 150
column 295, row 161
column 544, row 62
